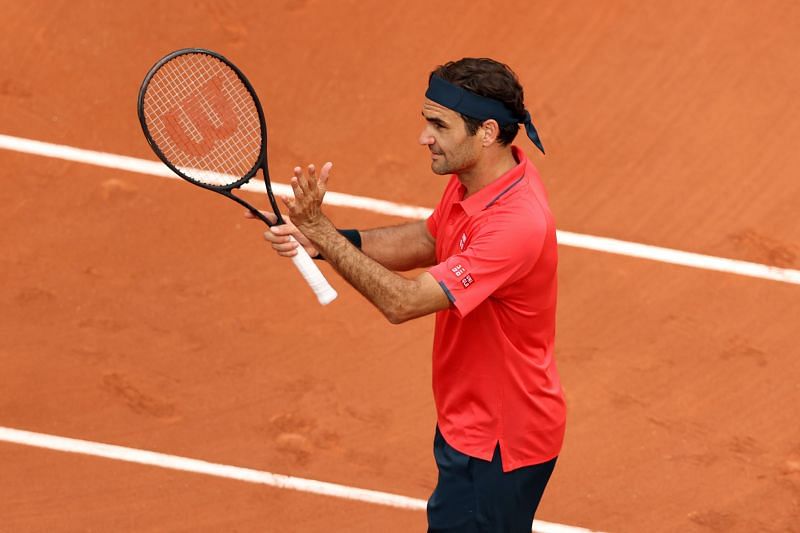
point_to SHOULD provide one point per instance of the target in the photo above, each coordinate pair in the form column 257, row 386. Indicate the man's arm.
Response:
column 397, row 297
column 400, row 247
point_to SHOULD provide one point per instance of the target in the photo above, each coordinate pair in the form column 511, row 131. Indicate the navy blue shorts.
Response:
column 476, row 496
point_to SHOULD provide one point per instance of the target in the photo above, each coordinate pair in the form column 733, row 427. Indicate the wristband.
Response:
column 351, row 235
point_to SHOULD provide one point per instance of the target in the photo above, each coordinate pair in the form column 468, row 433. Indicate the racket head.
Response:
column 202, row 118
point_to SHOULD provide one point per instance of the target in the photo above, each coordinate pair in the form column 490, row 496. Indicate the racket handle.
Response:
column 310, row 271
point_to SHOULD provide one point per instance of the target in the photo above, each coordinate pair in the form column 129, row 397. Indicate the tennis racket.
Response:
column 203, row 119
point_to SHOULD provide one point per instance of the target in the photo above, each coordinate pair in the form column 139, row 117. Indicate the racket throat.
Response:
column 272, row 202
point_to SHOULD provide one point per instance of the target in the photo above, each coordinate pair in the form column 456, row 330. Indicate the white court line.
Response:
column 566, row 238
column 185, row 464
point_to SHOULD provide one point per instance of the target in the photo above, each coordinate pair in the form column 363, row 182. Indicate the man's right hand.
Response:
column 278, row 236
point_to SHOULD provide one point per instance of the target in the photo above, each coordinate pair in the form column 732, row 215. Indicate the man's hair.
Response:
column 490, row 78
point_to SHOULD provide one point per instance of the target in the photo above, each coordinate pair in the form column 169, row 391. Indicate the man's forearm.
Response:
column 401, row 247
column 391, row 293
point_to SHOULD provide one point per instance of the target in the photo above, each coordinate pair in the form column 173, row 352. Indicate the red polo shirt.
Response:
column 494, row 375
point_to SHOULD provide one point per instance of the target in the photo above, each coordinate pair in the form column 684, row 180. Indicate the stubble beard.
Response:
column 457, row 162
column 441, row 167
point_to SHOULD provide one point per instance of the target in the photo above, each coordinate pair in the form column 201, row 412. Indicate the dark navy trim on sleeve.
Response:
column 447, row 292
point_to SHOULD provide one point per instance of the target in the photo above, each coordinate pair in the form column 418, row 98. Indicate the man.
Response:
column 491, row 248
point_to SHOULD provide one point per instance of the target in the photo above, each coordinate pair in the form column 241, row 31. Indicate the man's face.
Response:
column 445, row 135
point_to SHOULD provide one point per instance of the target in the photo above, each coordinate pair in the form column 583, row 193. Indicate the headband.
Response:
column 478, row 107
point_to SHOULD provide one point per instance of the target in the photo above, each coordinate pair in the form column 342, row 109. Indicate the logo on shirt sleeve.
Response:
column 462, row 242
column 459, row 271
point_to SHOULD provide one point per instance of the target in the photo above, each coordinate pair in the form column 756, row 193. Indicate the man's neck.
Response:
column 488, row 169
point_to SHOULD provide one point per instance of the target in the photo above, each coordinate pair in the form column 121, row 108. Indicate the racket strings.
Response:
column 203, row 119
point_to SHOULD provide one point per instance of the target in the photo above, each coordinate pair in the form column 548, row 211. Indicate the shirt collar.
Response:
column 492, row 192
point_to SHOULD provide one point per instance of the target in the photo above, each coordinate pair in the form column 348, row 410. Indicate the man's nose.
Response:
column 425, row 138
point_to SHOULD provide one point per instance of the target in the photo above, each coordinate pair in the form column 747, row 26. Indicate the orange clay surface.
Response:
column 144, row 312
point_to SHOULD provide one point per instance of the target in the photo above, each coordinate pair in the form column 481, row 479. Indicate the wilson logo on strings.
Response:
column 196, row 109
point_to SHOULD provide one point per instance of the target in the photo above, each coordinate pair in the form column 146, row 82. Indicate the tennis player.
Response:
column 490, row 249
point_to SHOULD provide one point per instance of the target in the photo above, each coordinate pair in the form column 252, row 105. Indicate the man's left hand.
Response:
column 305, row 208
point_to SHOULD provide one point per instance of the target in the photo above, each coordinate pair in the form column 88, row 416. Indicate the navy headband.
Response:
column 478, row 107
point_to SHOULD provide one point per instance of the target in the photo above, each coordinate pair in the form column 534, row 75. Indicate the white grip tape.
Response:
column 310, row 271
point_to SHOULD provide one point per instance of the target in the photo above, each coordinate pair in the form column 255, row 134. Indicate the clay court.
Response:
column 145, row 313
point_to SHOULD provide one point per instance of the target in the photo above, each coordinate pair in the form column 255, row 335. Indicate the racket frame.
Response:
column 261, row 162
column 315, row 279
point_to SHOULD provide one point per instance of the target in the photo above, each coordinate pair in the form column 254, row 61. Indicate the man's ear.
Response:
column 491, row 130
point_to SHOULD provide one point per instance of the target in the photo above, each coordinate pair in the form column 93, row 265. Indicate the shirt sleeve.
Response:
column 498, row 253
